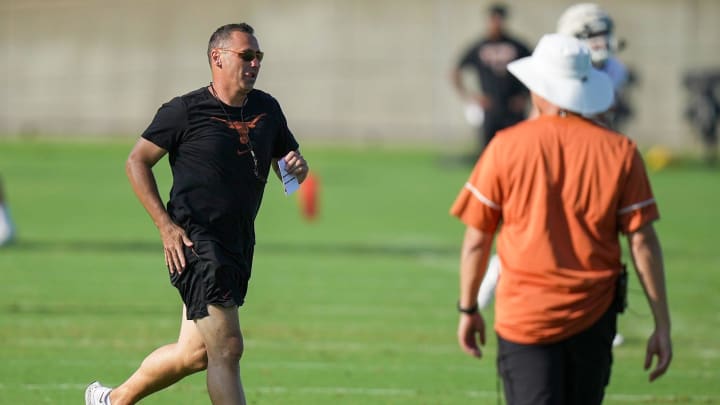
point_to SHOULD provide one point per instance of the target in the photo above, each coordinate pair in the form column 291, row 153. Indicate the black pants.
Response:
column 494, row 122
column 571, row 372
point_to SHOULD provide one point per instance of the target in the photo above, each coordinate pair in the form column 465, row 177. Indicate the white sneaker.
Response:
column 96, row 394
column 618, row 340
column 7, row 230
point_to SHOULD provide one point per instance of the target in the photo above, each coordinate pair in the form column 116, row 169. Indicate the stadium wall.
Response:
column 343, row 70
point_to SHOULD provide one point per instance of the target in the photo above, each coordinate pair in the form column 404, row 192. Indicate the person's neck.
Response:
column 558, row 112
column 495, row 34
column 227, row 94
column 544, row 108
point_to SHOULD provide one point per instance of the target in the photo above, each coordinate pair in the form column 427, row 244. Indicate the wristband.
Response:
column 472, row 310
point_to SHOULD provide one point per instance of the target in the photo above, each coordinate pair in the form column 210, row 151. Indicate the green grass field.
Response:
column 356, row 308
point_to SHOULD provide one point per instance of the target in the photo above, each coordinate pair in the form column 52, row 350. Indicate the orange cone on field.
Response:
column 309, row 196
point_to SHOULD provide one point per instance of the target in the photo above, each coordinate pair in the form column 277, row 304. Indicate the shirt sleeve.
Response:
column 637, row 204
column 168, row 126
column 285, row 141
column 479, row 203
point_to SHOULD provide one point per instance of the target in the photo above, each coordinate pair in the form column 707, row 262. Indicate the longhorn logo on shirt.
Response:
column 242, row 128
column 497, row 56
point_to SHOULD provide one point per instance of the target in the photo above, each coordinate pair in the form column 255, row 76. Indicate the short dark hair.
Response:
column 223, row 33
column 498, row 9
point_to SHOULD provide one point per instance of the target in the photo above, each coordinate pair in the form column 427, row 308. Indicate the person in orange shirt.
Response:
column 564, row 187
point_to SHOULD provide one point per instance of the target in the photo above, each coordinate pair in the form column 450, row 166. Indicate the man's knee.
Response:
column 221, row 334
column 231, row 349
column 228, row 349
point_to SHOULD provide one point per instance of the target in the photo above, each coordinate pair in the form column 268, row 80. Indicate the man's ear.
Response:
column 215, row 56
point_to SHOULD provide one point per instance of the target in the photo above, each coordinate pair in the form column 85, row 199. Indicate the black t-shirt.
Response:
column 215, row 193
column 489, row 58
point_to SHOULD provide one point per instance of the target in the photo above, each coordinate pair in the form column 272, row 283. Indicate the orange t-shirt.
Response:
column 563, row 189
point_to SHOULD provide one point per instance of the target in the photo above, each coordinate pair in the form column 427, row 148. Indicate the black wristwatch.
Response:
column 472, row 310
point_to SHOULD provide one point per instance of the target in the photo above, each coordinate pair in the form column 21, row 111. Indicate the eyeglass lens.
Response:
column 250, row 55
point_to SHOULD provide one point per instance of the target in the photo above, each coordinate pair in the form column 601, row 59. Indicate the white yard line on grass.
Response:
column 347, row 346
column 308, row 345
column 379, row 392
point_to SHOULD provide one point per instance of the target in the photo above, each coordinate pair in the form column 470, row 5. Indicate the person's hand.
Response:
column 296, row 165
column 173, row 239
column 471, row 328
column 659, row 345
column 483, row 101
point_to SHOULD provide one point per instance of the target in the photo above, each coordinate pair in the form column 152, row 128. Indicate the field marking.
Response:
column 319, row 365
column 293, row 365
column 382, row 392
column 311, row 345
column 44, row 387
column 349, row 346
column 376, row 391
column 114, row 343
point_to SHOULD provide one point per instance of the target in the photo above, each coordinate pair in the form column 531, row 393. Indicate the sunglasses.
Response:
column 247, row 55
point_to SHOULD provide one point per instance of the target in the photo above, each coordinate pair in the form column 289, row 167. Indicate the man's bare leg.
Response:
column 224, row 343
column 165, row 366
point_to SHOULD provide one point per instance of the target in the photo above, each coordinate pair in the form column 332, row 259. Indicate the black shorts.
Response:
column 213, row 276
column 573, row 371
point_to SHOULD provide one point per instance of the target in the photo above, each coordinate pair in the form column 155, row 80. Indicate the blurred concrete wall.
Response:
column 342, row 69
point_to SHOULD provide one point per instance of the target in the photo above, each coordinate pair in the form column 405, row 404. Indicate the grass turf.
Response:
column 355, row 308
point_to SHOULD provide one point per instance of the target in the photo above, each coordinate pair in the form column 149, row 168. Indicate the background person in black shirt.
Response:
column 503, row 98
column 222, row 140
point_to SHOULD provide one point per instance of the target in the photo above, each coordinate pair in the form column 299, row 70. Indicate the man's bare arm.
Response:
column 138, row 167
column 647, row 256
column 473, row 262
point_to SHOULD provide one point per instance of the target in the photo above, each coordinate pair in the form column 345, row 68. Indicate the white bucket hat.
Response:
column 561, row 72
